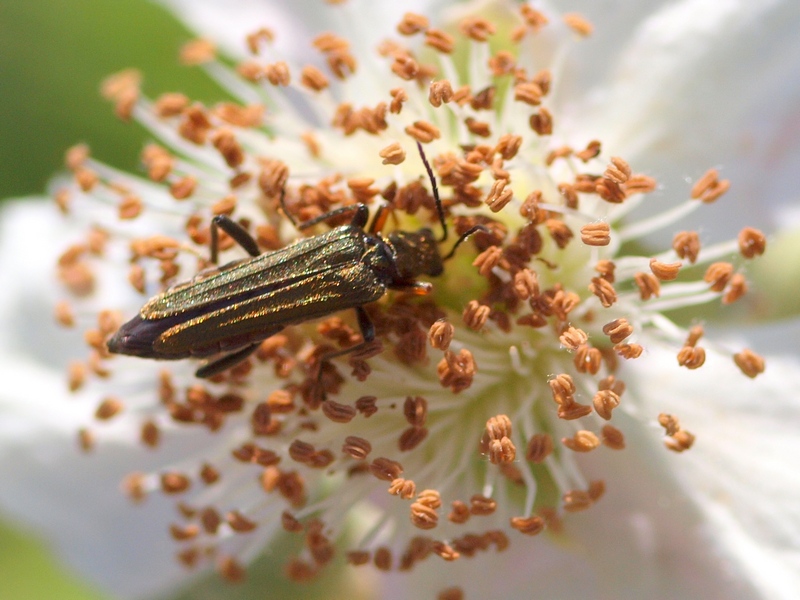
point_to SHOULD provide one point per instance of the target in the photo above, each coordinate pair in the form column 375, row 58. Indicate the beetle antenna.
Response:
column 439, row 208
column 462, row 239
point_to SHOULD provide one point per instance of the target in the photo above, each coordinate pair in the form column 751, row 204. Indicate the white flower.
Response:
column 521, row 447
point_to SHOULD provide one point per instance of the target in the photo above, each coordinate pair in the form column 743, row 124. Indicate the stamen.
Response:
column 412, row 23
column 440, row 40
column 441, row 334
column 477, row 29
column 687, row 245
column 528, row 525
column 540, row 446
column 613, row 437
column 718, row 275
column 596, row 234
column 750, row 363
column 582, row 441
column 665, row 271
column 579, row 24
column 709, row 187
column 691, row 357
column 752, row 242
column 541, row 122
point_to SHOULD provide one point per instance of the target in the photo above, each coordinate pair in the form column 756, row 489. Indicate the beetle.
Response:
column 242, row 303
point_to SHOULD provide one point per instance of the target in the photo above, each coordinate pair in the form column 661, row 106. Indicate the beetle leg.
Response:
column 236, row 231
column 226, row 362
column 360, row 217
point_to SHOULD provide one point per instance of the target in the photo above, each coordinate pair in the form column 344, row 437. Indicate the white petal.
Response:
column 227, row 24
column 742, row 471
column 72, row 499
column 706, row 83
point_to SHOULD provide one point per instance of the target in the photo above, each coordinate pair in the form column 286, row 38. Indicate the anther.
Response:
column 648, row 285
column 457, row 371
column 440, row 40
column 423, row 131
column 183, row 533
column 750, row 363
column 459, row 514
column 183, row 188
column 382, row 559
column 257, row 38
column 174, row 483
column 337, row 412
column 357, row 557
column 559, row 231
column 576, row 501
column 404, row 488
column 441, row 334
column 528, row 92
column 393, row 154
column 736, row 289
column 528, row 525
column 480, row 129
column 752, row 242
column 582, row 441
column 665, row 271
column 572, row 337
column 475, row 315
column 579, row 24
column 502, row 63
column 613, row 437
column 499, row 196
column 412, row 23
column 149, row 434
column 629, row 351
column 487, row 260
column 314, row 79
column 604, row 290
column 604, row 402
column 230, row 569
column 596, row 234
column 617, row 330
column 239, row 523
column 618, row 171
column 86, row 441
column 197, row 52
column 687, row 245
column 541, row 122
column 411, row 438
column 718, row 275
column 476, row 28
column 445, row 552
column 691, row 357
column 540, row 446
column 290, row 523
column 366, row 405
column 481, row 505
column 386, row 469
column 423, row 517
column 680, row 441
column 709, row 187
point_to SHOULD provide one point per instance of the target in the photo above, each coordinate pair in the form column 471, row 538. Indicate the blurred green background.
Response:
column 53, row 56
